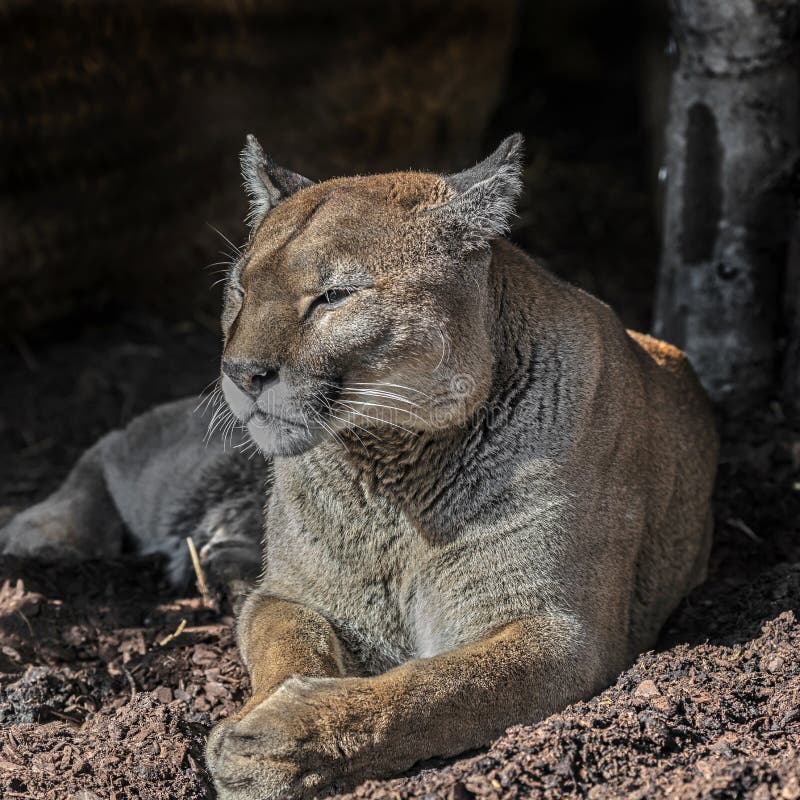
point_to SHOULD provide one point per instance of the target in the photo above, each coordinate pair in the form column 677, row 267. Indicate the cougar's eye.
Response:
column 235, row 292
column 333, row 297
column 330, row 298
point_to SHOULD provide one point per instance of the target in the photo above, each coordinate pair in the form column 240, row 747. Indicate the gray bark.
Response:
column 731, row 142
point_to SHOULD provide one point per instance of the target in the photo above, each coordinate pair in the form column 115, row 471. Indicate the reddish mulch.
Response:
column 96, row 704
column 95, row 696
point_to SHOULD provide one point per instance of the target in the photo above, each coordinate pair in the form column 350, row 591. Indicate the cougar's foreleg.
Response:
column 279, row 641
column 314, row 733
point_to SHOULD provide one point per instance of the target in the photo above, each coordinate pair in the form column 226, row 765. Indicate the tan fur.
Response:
column 483, row 557
column 278, row 638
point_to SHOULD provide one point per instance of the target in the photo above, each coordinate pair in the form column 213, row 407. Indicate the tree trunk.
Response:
column 731, row 141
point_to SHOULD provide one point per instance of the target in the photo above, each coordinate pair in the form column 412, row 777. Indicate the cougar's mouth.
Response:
column 263, row 418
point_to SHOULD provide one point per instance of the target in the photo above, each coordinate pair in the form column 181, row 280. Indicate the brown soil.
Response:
column 95, row 703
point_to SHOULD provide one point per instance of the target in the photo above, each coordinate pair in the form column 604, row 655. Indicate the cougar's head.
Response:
column 360, row 304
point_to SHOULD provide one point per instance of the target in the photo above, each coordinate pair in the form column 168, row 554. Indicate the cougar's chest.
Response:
column 350, row 554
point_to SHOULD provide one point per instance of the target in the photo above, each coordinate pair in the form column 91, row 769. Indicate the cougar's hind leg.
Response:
column 121, row 483
column 159, row 480
column 79, row 520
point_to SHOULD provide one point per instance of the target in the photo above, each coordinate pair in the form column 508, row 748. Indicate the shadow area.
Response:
column 754, row 571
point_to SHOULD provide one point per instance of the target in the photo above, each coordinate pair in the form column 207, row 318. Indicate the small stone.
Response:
column 11, row 652
column 775, row 664
column 646, row 690
column 201, row 703
column 661, row 703
column 215, row 689
column 791, row 791
column 163, row 694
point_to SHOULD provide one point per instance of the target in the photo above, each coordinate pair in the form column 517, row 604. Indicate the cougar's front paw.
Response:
column 243, row 768
column 281, row 748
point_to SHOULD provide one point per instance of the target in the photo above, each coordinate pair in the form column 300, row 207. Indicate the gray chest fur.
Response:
column 347, row 554
column 351, row 553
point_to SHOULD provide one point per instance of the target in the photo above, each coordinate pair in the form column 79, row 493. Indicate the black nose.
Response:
column 251, row 377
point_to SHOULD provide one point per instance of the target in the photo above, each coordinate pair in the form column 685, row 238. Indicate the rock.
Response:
column 646, row 689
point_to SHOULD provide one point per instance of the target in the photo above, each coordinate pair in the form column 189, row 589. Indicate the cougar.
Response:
column 483, row 495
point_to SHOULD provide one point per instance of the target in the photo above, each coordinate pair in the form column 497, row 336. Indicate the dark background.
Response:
column 120, row 126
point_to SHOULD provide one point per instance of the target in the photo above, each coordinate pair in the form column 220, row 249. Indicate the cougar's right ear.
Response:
column 265, row 182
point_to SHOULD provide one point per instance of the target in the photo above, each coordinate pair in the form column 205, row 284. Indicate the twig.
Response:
column 28, row 623
column 198, row 571
column 65, row 717
column 177, row 632
column 131, row 681
column 741, row 525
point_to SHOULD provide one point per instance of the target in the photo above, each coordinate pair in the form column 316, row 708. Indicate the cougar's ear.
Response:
column 265, row 182
column 485, row 195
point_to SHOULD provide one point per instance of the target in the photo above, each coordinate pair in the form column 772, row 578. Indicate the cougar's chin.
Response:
column 278, row 437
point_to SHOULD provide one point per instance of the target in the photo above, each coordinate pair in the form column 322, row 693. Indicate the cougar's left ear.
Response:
column 265, row 182
column 485, row 195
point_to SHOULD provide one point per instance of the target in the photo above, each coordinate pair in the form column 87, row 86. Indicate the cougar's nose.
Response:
column 251, row 377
